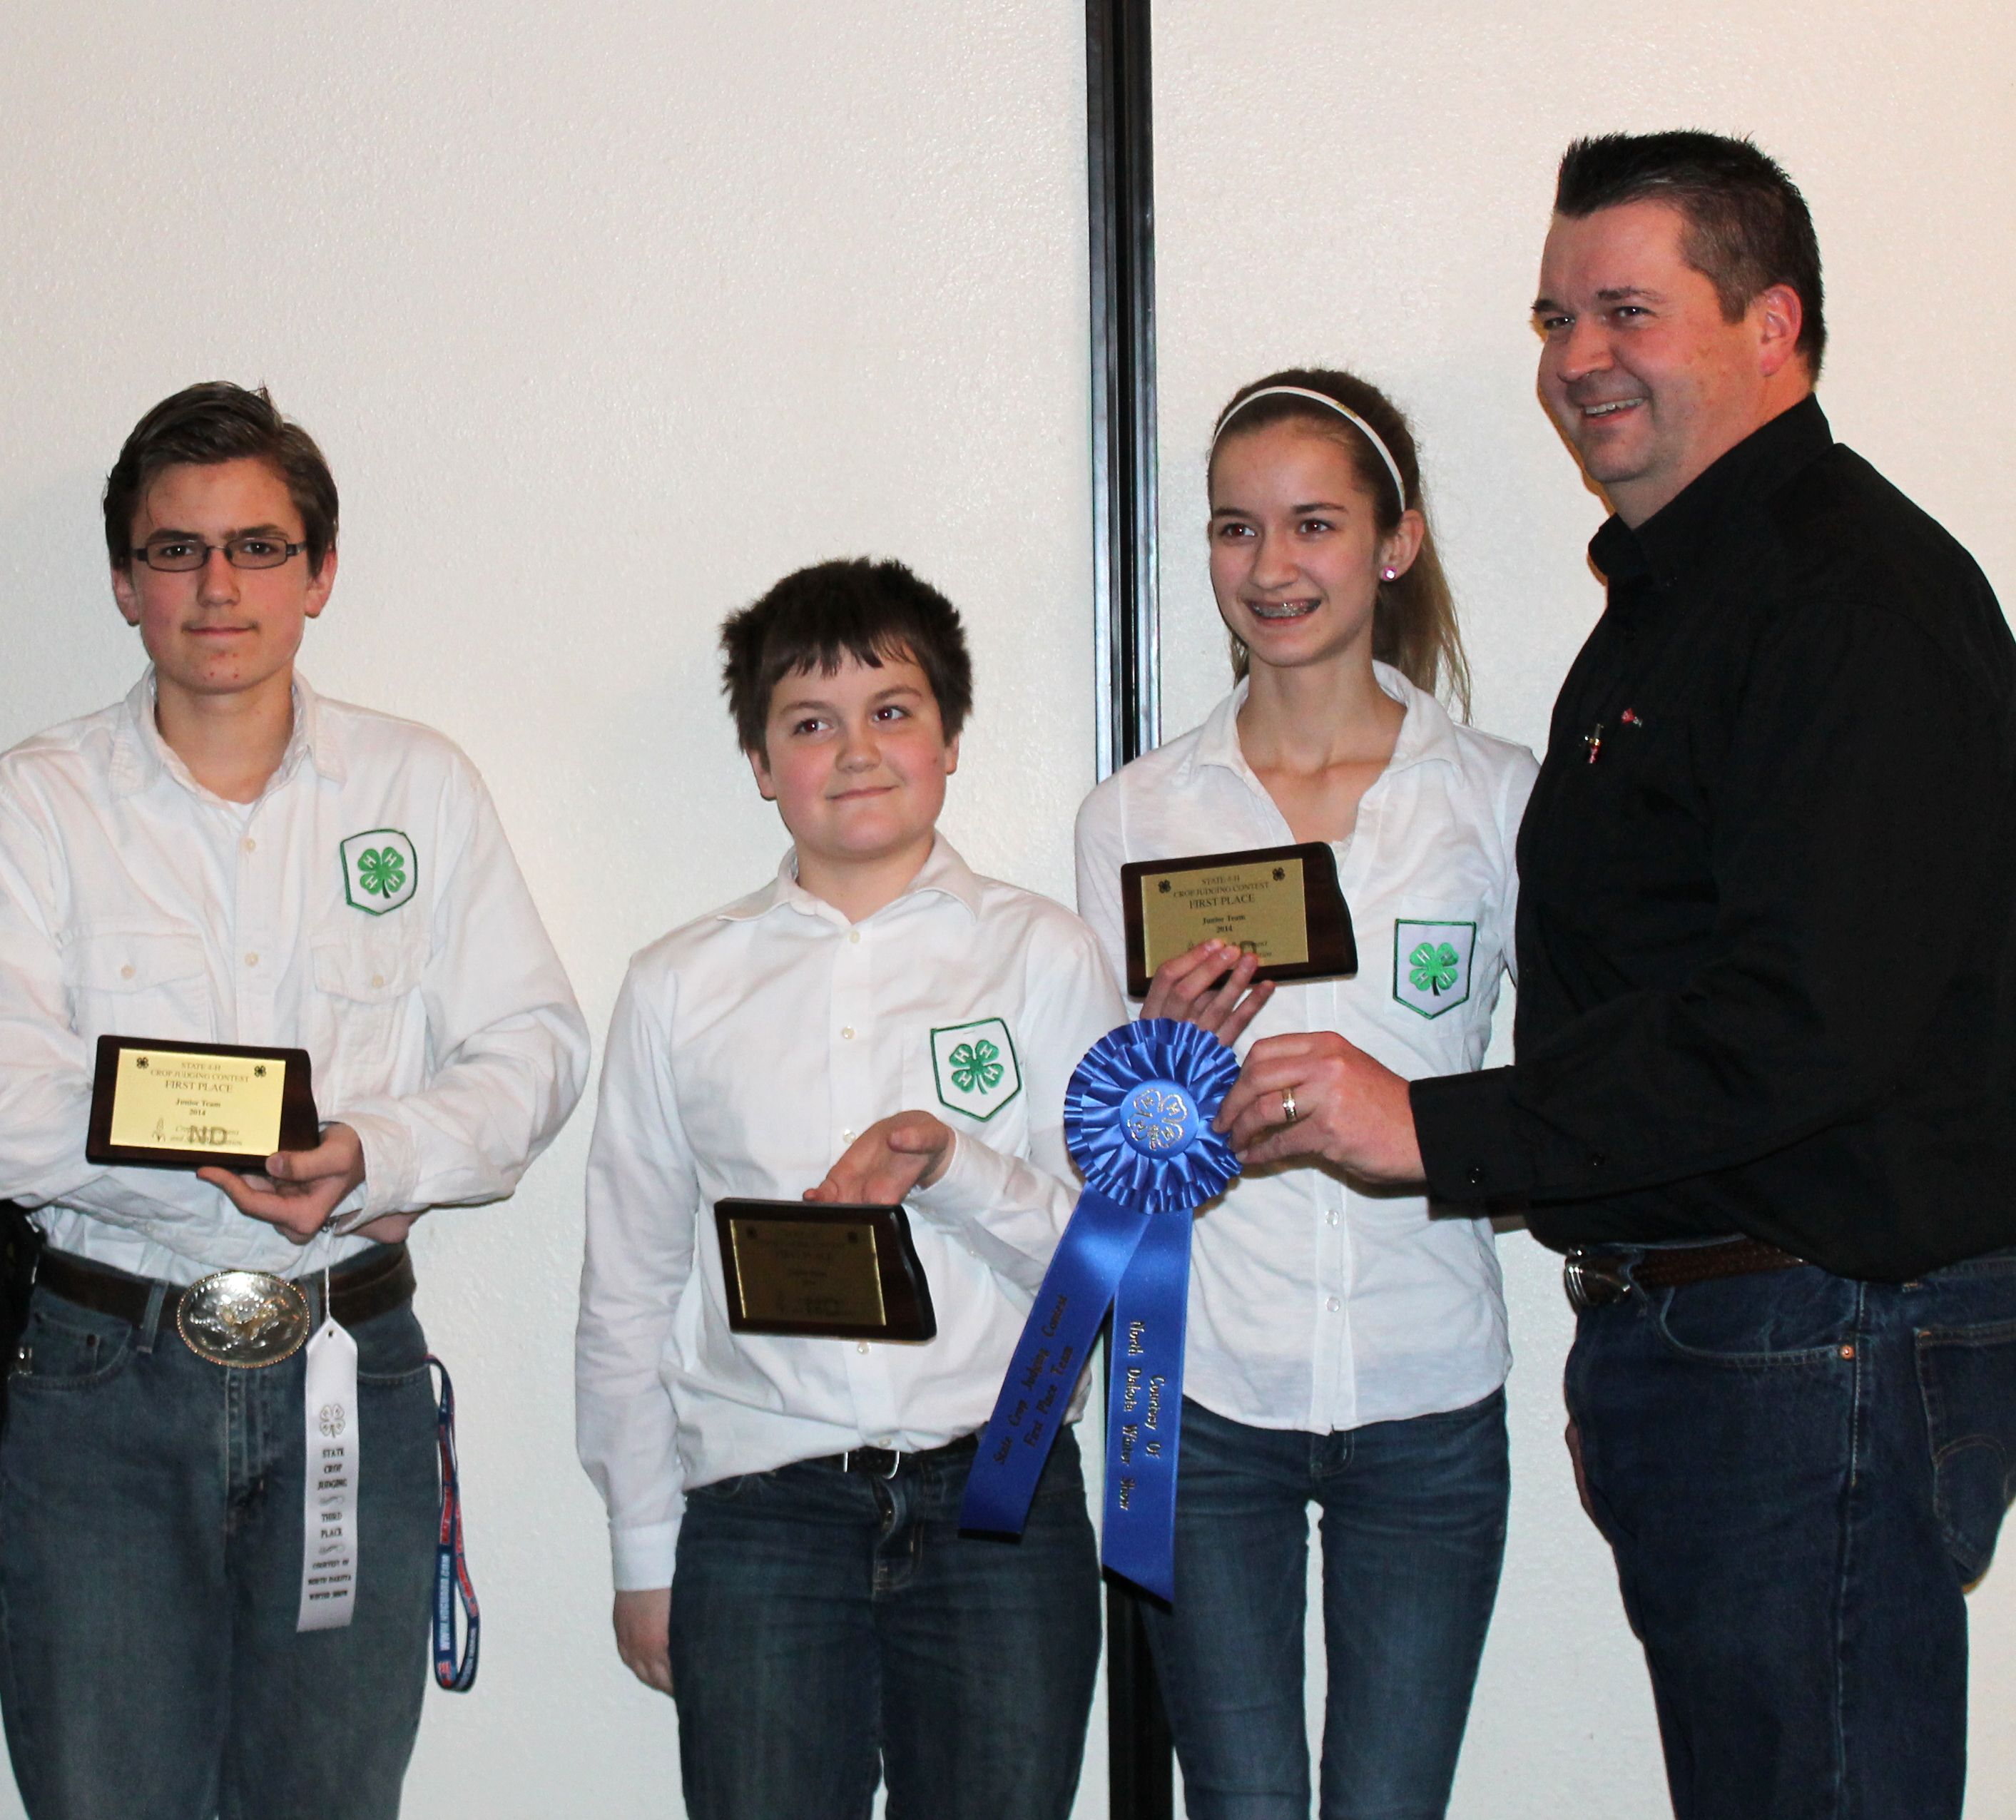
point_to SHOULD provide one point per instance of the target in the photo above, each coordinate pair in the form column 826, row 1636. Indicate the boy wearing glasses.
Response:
column 226, row 857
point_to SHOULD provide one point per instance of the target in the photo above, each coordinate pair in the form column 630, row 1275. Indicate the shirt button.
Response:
column 854, row 935
column 126, row 972
column 847, row 1032
column 1597, row 1162
column 1333, row 1304
column 377, row 982
column 1476, row 1176
column 861, row 1345
column 847, row 1137
column 1332, row 1217
column 251, row 960
column 251, row 845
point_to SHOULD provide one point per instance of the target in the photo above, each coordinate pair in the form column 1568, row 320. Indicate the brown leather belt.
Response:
column 1594, row 1279
column 377, row 1284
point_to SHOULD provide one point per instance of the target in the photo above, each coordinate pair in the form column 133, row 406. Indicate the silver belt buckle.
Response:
column 246, row 1319
column 1587, row 1286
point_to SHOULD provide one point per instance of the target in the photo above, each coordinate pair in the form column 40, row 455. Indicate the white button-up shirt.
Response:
column 1316, row 1304
column 412, row 966
column 748, row 1050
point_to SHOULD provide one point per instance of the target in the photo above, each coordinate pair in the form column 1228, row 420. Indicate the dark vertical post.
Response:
column 1126, row 643
column 1126, row 640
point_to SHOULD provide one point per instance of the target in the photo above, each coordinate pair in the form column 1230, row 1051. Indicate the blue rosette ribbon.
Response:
column 1137, row 1117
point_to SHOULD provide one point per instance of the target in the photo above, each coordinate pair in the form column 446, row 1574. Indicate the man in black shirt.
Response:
column 1763, row 1096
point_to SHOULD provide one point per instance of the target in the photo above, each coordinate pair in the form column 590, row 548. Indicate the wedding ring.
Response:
column 1288, row 1105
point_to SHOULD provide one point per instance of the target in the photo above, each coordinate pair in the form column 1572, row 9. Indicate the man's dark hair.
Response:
column 1747, row 227
column 816, row 617
column 207, row 424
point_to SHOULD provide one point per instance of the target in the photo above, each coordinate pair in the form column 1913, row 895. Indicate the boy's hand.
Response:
column 888, row 1160
column 1348, row 1108
column 300, row 1188
column 643, row 1622
column 1182, row 989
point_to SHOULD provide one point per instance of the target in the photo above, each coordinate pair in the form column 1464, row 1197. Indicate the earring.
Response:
column 1387, row 575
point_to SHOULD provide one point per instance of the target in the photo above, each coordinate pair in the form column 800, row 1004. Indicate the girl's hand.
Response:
column 643, row 1622
column 888, row 1160
column 1183, row 989
column 1348, row 1108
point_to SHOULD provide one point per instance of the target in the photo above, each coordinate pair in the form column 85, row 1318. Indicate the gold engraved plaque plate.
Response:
column 801, row 1270
column 1282, row 905
column 1258, row 908
column 245, row 1318
column 228, row 1103
column 195, row 1105
column 820, row 1271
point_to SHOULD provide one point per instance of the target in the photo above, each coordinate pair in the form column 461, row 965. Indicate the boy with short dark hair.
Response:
column 784, row 1512
column 227, row 858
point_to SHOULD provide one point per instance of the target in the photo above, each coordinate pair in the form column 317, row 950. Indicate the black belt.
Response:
column 886, row 1462
column 375, row 1284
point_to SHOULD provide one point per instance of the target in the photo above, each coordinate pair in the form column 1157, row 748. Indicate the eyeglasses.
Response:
column 179, row 555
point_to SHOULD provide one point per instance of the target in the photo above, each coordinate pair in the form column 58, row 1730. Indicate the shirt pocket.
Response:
column 365, row 989
column 1438, row 976
column 967, row 1072
column 152, row 983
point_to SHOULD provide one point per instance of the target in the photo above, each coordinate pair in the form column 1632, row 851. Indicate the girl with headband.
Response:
column 1345, row 1348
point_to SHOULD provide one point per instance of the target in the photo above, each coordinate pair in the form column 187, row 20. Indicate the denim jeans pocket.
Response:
column 1769, row 1319
column 1967, row 1377
column 391, row 1349
column 69, row 1348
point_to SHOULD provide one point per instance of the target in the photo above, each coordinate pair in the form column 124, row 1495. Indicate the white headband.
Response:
column 1302, row 391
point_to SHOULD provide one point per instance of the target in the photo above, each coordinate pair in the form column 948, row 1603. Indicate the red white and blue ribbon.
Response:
column 452, row 1583
column 1137, row 1117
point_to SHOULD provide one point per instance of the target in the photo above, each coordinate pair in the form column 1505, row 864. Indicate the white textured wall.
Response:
column 606, row 316
column 1368, row 187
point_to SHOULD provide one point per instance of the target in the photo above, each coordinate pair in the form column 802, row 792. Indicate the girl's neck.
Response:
column 1314, row 715
column 1318, row 736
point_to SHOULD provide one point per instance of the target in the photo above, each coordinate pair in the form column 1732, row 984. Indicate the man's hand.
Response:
column 1182, row 988
column 1349, row 1108
column 643, row 1622
column 888, row 1160
column 300, row 1188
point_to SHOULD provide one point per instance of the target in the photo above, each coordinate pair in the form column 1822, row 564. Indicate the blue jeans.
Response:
column 829, row 1627
column 150, row 1571
column 1800, row 1475
column 1414, row 1535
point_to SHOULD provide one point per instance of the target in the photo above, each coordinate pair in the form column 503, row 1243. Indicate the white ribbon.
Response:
column 329, row 1512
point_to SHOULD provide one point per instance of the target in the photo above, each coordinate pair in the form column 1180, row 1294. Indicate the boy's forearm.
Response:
column 1009, row 1213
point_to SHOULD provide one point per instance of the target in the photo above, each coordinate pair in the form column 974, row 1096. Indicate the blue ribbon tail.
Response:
column 1144, row 1407
column 1077, row 1288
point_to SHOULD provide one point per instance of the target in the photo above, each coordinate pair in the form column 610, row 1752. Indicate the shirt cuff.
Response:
column 1465, row 1127
column 643, row 1558
column 389, row 1165
column 974, row 1185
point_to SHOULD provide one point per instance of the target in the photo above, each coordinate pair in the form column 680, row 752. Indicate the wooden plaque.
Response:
column 198, row 1105
column 822, row 1271
column 1282, row 903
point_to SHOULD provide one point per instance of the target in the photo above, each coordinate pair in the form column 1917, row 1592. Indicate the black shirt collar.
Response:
column 1666, row 545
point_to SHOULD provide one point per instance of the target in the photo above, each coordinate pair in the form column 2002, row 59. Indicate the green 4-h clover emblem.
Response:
column 382, row 870
column 1432, row 965
column 974, row 1064
column 974, row 1067
column 1436, row 967
column 379, row 870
